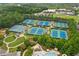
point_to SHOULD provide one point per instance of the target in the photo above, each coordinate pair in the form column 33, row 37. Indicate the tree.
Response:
column 1, row 43
column 12, row 18
column 70, row 47
column 27, row 43
column 1, row 39
column 29, row 51
column 21, row 48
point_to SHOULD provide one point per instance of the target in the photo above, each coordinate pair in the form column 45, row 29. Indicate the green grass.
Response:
column 10, row 39
column 11, row 33
column 17, row 42
column 76, row 18
column 29, row 52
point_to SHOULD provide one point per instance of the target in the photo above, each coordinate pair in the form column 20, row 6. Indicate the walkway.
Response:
column 7, row 43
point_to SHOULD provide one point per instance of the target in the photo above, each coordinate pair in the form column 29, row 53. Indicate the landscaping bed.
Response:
column 10, row 39
column 17, row 42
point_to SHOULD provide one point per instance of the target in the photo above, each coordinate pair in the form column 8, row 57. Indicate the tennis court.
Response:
column 17, row 28
column 44, row 23
column 61, row 24
column 29, row 22
column 59, row 34
column 36, row 31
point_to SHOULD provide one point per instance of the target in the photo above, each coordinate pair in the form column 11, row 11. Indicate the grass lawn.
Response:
column 11, row 33
column 28, row 52
column 76, row 18
column 17, row 42
column 27, row 36
column 10, row 39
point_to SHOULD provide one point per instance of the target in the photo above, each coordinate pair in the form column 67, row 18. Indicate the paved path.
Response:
column 7, row 48
column 17, row 45
column 24, row 52
column 7, row 43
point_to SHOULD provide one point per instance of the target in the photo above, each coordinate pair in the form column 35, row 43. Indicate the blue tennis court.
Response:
column 29, row 21
column 40, row 31
column 54, row 33
column 33, row 30
column 36, row 31
column 62, row 34
column 61, row 24
column 59, row 34
column 44, row 23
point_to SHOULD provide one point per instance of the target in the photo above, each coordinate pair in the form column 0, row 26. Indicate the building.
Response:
column 37, row 47
column 65, row 11
column 46, row 12
column 51, row 53
column 49, row 11
column 4, row 53
column 46, row 53
column 56, row 11
column 38, row 51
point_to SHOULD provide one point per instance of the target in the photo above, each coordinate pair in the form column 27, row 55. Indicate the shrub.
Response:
column 29, row 51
